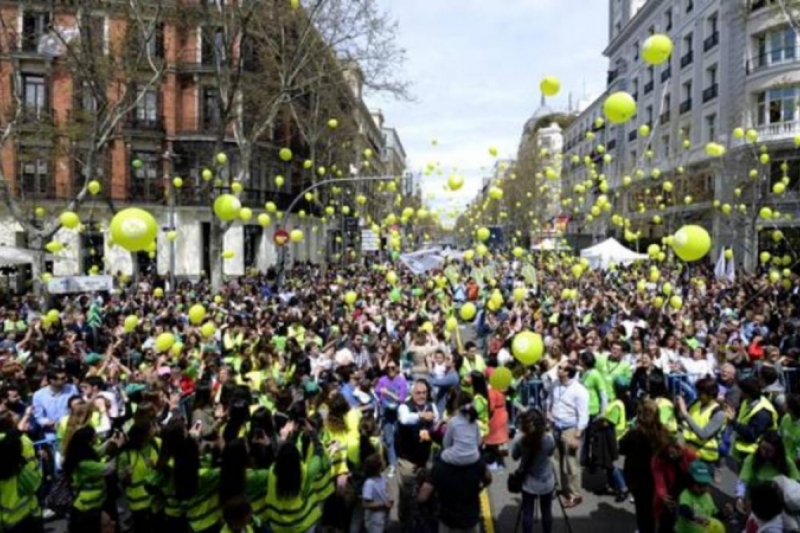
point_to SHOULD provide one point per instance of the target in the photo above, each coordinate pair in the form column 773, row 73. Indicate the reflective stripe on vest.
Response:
column 744, row 417
column 291, row 515
column 90, row 496
column 202, row 511
column 13, row 507
column 707, row 450
column 666, row 413
column 622, row 423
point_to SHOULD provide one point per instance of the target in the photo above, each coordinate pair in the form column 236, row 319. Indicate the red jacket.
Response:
column 665, row 478
column 498, row 419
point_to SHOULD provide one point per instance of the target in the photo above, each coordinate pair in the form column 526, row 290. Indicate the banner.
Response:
column 423, row 260
column 71, row 284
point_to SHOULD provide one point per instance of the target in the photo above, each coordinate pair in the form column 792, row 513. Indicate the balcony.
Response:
column 686, row 106
column 780, row 56
column 150, row 191
column 687, row 59
column 709, row 93
column 664, row 117
column 611, row 145
column 780, row 131
column 666, row 74
column 36, row 116
column 145, row 123
column 648, row 87
column 632, row 135
column 711, row 41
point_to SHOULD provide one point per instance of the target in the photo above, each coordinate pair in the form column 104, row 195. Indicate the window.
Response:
column 651, row 30
column 34, row 175
column 686, row 89
column 778, row 105
column 34, row 93
column 34, row 27
column 686, row 133
column 688, row 41
column 147, row 109
column 711, row 76
column 713, row 24
column 92, row 246
column 648, row 115
column 87, row 101
column 668, row 20
column 711, row 127
column 634, row 156
column 776, row 47
column 689, row 6
column 148, row 169
column 665, row 146
column 636, row 51
column 155, row 41
column 211, row 111
column 252, row 242
column 635, row 88
column 213, row 46
column 146, row 180
column 667, row 103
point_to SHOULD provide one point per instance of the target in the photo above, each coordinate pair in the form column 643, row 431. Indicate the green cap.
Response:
column 92, row 358
column 700, row 472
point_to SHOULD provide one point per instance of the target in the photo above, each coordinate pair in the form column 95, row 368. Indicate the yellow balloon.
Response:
column 550, row 86
column 130, row 323
column 501, row 379
column 619, row 107
column 467, row 311
column 196, row 314
column 227, row 207
column 208, row 329
column 296, row 235
column 691, row 243
column 350, row 297
column 657, row 49
column 158, row 292
column 164, row 342
column 93, row 187
column 69, row 220
column 527, row 347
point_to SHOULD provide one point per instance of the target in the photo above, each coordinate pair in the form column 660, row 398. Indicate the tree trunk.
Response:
column 215, row 243
column 36, row 243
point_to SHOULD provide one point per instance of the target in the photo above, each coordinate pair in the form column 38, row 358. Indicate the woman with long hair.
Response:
column 534, row 449
column 19, row 481
column 237, row 479
column 291, row 507
column 480, row 399
column 769, row 461
column 134, row 467
column 80, row 415
column 86, row 471
column 639, row 445
column 341, row 428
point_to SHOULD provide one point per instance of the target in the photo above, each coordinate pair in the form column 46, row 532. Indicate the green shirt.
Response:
column 611, row 371
column 790, row 431
column 703, row 507
column 766, row 473
column 596, row 385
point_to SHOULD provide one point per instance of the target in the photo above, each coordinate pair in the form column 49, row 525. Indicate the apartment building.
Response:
column 172, row 131
column 734, row 64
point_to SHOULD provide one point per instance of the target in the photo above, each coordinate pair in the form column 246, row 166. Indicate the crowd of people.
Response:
column 348, row 394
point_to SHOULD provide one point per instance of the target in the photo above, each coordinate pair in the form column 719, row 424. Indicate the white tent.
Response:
column 11, row 256
column 610, row 251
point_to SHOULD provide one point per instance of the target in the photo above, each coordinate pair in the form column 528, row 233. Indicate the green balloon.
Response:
column 394, row 296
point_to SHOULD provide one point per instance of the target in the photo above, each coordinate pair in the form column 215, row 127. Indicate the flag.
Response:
column 719, row 269
column 731, row 271
column 94, row 318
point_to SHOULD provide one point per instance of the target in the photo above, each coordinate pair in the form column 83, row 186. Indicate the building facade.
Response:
column 734, row 65
column 171, row 131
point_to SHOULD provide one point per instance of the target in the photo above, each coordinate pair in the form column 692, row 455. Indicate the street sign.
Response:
column 370, row 241
column 72, row 284
column 350, row 224
column 281, row 237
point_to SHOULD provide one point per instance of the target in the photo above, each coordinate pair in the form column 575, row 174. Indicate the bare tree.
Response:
column 268, row 56
column 109, row 78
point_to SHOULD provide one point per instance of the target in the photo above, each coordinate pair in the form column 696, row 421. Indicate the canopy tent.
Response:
column 549, row 245
column 610, row 251
column 12, row 256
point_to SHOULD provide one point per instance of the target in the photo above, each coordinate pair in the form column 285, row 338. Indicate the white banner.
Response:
column 370, row 241
column 70, row 284
column 423, row 260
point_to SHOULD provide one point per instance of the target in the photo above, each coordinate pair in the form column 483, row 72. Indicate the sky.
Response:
column 475, row 68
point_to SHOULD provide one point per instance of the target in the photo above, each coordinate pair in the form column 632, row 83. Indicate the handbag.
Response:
column 516, row 479
column 61, row 496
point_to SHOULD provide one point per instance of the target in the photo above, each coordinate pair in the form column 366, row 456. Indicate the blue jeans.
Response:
column 529, row 511
column 678, row 385
column 616, row 479
column 388, row 431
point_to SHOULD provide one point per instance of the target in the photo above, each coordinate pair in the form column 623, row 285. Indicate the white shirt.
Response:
column 409, row 418
column 569, row 405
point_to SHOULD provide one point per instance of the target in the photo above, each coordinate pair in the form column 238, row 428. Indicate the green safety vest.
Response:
column 202, row 511
column 621, row 423
column 468, row 366
column 292, row 515
column 745, row 414
column 666, row 413
column 89, row 483
column 256, row 491
column 706, row 450
column 140, row 463
column 790, row 432
column 18, row 494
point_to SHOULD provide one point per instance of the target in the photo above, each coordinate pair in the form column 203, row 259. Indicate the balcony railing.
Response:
column 31, row 115
column 648, row 87
column 774, row 58
column 687, row 59
column 686, row 106
column 151, row 123
column 781, row 131
column 709, row 93
column 666, row 74
column 711, row 41
column 664, row 117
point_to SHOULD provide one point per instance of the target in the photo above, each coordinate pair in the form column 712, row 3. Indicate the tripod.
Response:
column 560, row 504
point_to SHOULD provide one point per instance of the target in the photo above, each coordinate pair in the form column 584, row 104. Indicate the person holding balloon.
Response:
column 497, row 436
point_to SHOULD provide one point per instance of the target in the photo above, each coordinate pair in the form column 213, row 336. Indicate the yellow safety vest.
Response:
column 140, row 463
column 468, row 366
column 666, row 413
column 90, row 485
column 746, row 448
column 18, row 493
column 707, row 450
column 292, row 515
column 621, row 425
column 202, row 511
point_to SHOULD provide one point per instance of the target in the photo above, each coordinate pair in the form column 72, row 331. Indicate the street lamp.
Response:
column 171, row 190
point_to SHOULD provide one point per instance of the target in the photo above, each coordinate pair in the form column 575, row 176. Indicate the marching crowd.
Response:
column 352, row 392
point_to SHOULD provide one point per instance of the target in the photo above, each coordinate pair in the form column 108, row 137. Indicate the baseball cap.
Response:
column 700, row 472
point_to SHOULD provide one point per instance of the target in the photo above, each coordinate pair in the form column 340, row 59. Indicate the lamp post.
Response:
column 171, row 190
column 288, row 212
